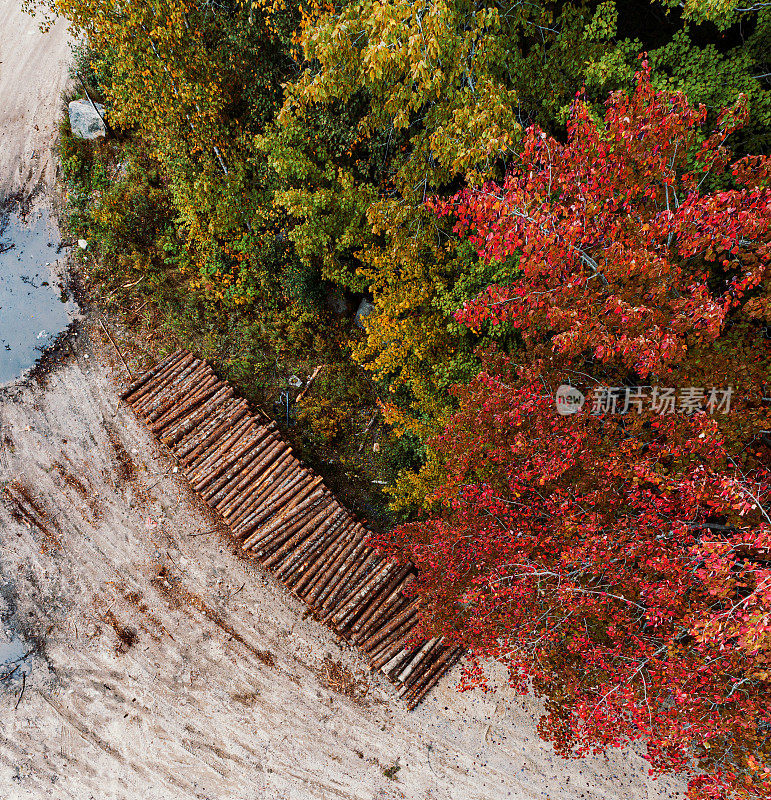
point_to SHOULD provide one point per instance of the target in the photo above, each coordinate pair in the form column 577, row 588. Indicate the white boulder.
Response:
column 84, row 121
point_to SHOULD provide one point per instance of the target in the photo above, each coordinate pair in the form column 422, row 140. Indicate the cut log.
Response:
column 282, row 513
column 136, row 385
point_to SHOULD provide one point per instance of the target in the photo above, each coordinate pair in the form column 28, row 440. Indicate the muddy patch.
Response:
column 35, row 305
column 17, row 649
column 123, row 461
column 14, row 651
column 126, row 635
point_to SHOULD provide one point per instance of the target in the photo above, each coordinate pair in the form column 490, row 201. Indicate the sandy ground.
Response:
column 165, row 666
column 144, row 659
column 33, row 74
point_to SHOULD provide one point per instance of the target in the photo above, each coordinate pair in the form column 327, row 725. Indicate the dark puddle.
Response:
column 16, row 652
column 35, row 307
column 13, row 656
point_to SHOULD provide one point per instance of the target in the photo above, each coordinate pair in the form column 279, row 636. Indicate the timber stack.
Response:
column 282, row 513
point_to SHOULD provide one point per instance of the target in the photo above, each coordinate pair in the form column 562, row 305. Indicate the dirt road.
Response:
column 141, row 658
column 33, row 74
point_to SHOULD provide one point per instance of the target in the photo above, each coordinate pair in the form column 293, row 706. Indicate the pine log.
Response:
column 163, row 425
column 189, row 432
column 274, row 554
column 327, row 575
column 158, row 402
column 401, row 633
column 324, row 557
column 204, row 428
column 198, row 435
column 424, row 667
column 399, row 607
column 203, row 463
column 401, row 659
column 251, row 470
column 158, row 379
column 390, row 647
column 351, row 580
column 422, row 656
column 390, row 591
column 261, row 441
column 305, row 494
column 304, row 529
column 228, row 413
column 192, row 376
column 270, row 485
column 235, row 458
column 217, row 400
column 274, row 500
column 276, row 458
column 434, row 677
column 155, row 388
column 351, row 604
column 264, row 535
column 381, row 602
column 190, row 456
column 369, row 644
column 218, row 492
column 311, row 571
column 323, row 534
column 307, row 526
column 345, row 563
column 193, row 417
column 284, row 514
column 225, row 456
column 272, row 480
column 141, row 381
column 206, row 388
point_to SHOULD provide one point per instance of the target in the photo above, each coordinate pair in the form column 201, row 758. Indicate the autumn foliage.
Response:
column 621, row 254
column 620, row 564
column 278, row 162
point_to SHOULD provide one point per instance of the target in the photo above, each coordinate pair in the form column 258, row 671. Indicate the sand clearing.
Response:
column 149, row 660
column 33, row 73
column 169, row 667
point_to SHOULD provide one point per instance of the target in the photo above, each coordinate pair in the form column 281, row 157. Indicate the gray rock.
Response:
column 365, row 309
column 84, row 121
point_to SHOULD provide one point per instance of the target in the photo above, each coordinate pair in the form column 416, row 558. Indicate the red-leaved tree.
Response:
column 618, row 563
column 621, row 254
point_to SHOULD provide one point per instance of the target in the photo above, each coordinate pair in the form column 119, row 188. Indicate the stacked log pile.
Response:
column 283, row 514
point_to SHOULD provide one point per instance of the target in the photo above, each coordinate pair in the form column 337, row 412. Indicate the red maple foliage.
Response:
column 623, row 572
column 620, row 252
column 619, row 564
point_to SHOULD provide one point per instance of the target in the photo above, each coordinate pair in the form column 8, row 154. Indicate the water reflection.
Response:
column 34, row 308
